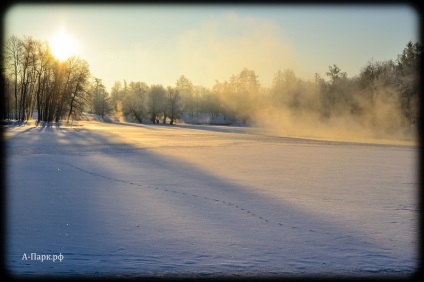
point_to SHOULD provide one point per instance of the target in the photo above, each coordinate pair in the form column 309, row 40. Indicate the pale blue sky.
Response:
column 158, row 44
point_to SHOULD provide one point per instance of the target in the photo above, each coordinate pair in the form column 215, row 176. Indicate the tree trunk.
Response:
column 137, row 116
column 71, row 107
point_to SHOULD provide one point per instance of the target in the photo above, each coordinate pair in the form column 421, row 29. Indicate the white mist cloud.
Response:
column 218, row 48
column 212, row 50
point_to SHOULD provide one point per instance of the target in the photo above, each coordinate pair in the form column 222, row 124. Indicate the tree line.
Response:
column 138, row 101
column 33, row 80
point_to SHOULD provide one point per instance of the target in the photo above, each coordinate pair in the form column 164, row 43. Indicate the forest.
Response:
column 384, row 96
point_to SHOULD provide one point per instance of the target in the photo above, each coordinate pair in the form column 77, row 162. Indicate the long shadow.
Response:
column 11, row 124
column 40, row 128
column 71, row 140
column 325, row 236
column 24, row 131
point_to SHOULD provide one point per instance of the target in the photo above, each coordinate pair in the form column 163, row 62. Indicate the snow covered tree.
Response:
column 134, row 103
column 37, row 81
column 156, row 101
column 173, row 104
column 185, row 88
column 78, row 86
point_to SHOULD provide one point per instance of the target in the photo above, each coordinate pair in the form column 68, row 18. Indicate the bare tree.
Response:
column 78, row 85
column 185, row 88
column 174, row 105
column 12, row 55
column 134, row 102
column 26, row 76
column 156, row 99
column 43, row 63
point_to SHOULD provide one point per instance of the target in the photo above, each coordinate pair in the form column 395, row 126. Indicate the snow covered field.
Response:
column 122, row 200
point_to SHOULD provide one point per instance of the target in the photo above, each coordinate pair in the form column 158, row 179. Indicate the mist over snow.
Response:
column 136, row 200
column 208, row 141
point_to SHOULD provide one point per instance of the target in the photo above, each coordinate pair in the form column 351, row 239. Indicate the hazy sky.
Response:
column 158, row 44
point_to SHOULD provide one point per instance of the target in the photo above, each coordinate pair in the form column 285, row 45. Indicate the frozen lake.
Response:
column 124, row 200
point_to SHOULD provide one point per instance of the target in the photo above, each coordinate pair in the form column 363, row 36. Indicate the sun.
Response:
column 62, row 46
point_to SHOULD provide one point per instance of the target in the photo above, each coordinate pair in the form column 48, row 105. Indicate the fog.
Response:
column 217, row 48
column 382, row 125
column 321, row 110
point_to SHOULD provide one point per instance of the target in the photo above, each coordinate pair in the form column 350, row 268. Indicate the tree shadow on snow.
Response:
column 289, row 240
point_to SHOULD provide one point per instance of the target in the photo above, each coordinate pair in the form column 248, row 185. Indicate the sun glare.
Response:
column 62, row 46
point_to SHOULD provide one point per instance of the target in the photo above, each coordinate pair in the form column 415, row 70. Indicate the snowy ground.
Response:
column 122, row 200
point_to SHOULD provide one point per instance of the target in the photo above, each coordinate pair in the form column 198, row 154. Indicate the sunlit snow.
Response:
column 155, row 200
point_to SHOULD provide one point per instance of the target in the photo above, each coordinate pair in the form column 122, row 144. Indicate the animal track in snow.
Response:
column 181, row 193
